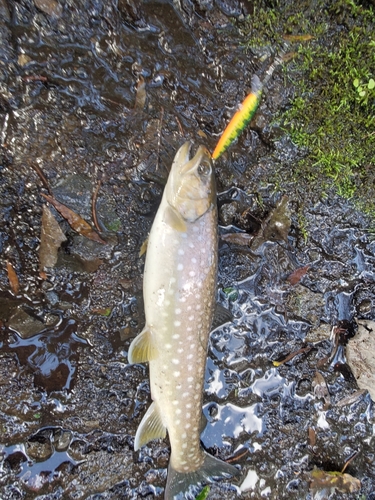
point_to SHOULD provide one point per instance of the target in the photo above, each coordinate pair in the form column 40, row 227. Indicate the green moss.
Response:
column 332, row 115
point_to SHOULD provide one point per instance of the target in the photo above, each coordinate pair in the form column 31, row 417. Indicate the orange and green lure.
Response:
column 247, row 109
column 240, row 119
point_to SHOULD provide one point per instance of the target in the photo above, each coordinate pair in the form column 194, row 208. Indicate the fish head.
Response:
column 191, row 189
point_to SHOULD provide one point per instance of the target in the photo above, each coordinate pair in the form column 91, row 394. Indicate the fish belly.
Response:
column 179, row 296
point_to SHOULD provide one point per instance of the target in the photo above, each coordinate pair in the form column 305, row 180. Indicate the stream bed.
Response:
column 95, row 99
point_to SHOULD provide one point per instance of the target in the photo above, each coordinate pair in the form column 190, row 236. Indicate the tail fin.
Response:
column 185, row 485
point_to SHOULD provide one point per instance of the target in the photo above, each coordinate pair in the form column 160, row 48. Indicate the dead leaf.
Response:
column 49, row 7
column 298, row 38
column 75, row 221
column 360, row 355
column 243, row 239
column 51, row 238
column 320, row 389
column 296, row 276
column 13, row 279
column 140, row 98
column 312, row 437
column 325, row 483
column 292, row 355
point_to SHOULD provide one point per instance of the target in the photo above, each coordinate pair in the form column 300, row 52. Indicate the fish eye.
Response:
column 204, row 169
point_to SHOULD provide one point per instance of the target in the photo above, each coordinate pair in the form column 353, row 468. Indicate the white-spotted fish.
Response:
column 179, row 296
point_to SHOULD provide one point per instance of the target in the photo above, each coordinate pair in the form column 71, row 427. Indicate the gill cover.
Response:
column 190, row 190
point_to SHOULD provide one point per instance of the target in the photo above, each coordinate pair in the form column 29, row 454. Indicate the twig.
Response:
column 93, row 206
column 348, row 461
column 42, row 177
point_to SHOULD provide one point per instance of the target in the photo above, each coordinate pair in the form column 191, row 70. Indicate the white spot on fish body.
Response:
column 178, row 411
column 177, row 323
column 193, row 260
column 176, row 374
column 180, row 251
column 177, row 310
column 180, row 350
column 180, row 267
column 191, row 317
column 191, row 244
column 190, row 379
column 176, row 361
column 176, row 335
column 168, row 346
column 192, row 273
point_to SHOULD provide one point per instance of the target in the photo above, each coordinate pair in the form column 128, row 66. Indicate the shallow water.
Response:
column 70, row 403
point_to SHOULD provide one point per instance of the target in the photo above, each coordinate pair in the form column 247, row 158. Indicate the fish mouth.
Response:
column 188, row 165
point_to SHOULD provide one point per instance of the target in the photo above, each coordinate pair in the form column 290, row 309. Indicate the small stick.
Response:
column 93, row 206
column 42, row 177
column 348, row 461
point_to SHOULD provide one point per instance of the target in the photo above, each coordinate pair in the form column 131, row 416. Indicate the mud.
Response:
column 70, row 403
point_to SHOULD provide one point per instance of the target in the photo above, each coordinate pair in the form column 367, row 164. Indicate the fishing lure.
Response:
column 246, row 110
column 240, row 119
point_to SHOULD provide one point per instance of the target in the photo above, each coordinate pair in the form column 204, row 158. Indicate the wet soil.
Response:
column 70, row 403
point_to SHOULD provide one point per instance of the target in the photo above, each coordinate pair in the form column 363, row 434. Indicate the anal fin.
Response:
column 151, row 427
column 143, row 248
column 142, row 349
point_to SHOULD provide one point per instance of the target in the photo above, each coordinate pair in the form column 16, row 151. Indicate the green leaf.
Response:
column 371, row 84
column 203, row 494
column 356, row 83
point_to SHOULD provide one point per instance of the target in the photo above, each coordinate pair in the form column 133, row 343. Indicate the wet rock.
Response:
column 39, row 449
column 50, row 239
column 360, row 355
column 227, row 213
column 308, row 305
column 24, row 324
column 4, row 11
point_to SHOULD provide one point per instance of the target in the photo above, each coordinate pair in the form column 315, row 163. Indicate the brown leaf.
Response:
column 243, row 239
column 298, row 38
column 13, row 279
column 140, row 98
column 296, row 276
column 320, row 389
column 51, row 238
column 75, row 221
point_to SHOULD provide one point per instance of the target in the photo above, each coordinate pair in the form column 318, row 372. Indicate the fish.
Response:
column 179, row 288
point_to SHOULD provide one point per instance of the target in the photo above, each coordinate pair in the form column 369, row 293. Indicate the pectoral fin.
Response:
column 150, row 428
column 142, row 349
column 173, row 219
